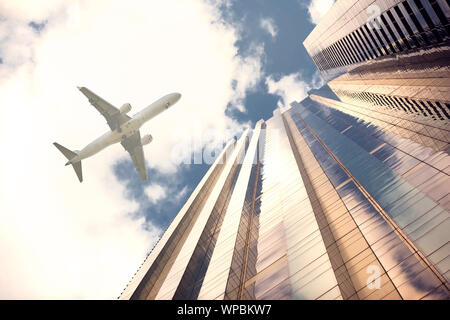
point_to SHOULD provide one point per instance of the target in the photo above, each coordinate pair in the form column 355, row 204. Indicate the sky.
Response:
column 233, row 61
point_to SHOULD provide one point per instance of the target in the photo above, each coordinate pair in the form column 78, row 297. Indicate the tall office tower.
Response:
column 345, row 195
column 389, row 60
column 313, row 203
column 354, row 32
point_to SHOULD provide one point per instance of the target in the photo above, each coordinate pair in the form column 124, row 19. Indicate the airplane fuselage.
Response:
column 127, row 129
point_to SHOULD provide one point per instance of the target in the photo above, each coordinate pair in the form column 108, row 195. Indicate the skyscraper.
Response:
column 354, row 32
column 345, row 195
column 312, row 204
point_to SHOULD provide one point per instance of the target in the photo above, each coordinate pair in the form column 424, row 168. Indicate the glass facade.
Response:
column 364, row 30
column 315, row 203
column 384, row 212
column 344, row 195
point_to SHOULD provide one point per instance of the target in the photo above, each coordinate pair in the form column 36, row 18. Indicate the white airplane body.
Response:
column 124, row 129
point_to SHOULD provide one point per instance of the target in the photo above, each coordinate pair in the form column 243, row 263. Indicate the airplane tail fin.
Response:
column 70, row 155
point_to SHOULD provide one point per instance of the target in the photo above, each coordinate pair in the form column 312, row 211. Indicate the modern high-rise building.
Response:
column 344, row 195
column 354, row 32
column 314, row 203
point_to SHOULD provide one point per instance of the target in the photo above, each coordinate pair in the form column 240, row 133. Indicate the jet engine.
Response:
column 146, row 139
column 125, row 108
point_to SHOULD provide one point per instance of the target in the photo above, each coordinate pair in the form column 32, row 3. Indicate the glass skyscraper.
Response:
column 344, row 195
column 354, row 32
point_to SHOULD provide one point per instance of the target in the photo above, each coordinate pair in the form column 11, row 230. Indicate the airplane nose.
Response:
column 173, row 98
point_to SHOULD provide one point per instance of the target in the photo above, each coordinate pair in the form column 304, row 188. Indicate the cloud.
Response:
column 317, row 81
column 62, row 239
column 293, row 87
column 318, row 8
column 290, row 88
column 155, row 192
column 182, row 193
column 269, row 26
column 248, row 72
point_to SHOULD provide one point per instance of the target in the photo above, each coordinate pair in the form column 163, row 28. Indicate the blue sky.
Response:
column 284, row 54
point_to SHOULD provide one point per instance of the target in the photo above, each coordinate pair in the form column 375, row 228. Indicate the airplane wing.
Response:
column 134, row 147
column 112, row 115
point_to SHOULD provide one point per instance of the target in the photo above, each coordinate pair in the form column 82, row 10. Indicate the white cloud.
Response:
column 155, row 192
column 60, row 238
column 290, row 88
column 317, row 80
column 248, row 72
column 183, row 192
column 318, row 8
column 269, row 26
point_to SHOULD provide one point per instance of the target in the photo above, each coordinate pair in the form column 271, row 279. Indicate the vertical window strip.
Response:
column 426, row 108
column 420, row 107
column 400, row 106
column 372, row 43
column 398, row 29
column 406, row 102
column 345, row 54
column 361, row 42
column 428, row 20
column 391, row 33
column 385, row 102
column 436, row 111
column 328, row 59
column 436, row 21
column 337, row 56
column 377, row 36
column 446, row 114
column 317, row 63
column 353, row 50
column 406, row 25
column 441, row 16
column 415, row 107
column 389, row 102
column 378, row 100
column 385, row 37
column 332, row 58
column 416, row 22
column 393, row 103
column 365, row 54
column 354, row 46
column 357, row 51
column 446, row 104
column 348, row 50
column 400, row 102
column 369, row 98
column 321, row 61
column 324, row 60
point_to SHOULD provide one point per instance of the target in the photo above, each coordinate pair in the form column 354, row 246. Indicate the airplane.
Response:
column 124, row 129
